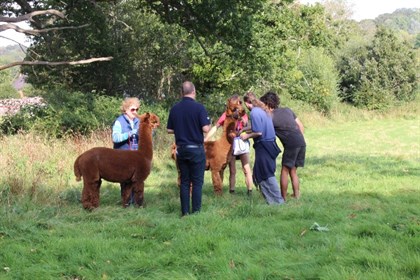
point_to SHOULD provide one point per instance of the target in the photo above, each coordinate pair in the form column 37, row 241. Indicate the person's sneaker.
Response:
column 231, row 191
column 249, row 193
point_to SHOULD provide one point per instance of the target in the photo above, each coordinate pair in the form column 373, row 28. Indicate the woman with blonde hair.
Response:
column 125, row 129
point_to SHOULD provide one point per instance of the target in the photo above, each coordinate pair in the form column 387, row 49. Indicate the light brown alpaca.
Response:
column 120, row 166
column 218, row 152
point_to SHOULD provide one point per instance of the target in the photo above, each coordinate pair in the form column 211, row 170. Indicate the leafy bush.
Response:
column 379, row 75
column 65, row 113
column 6, row 89
column 315, row 80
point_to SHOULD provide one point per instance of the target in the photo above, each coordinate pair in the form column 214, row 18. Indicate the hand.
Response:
column 132, row 132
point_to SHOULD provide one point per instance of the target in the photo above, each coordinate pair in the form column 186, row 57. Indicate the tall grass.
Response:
column 361, row 181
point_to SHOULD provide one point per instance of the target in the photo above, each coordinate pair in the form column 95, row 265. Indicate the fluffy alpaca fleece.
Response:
column 218, row 152
column 120, row 166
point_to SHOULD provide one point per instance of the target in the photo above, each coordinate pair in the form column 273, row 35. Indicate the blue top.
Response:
column 120, row 132
column 262, row 122
column 187, row 119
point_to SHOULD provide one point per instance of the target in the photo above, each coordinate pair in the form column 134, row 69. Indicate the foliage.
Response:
column 317, row 80
column 83, row 41
column 6, row 88
column 407, row 20
column 380, row 74
column 223, row 47
column 7, row 55
column 65, row 113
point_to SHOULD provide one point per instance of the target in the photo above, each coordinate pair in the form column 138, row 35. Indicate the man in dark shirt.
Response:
column 289, row 130
column 188, row 120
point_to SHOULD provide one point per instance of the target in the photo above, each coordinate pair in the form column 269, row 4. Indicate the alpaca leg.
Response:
column 139, row 194
column 217, row 183
column 88, row 193
column 126, row 194
column 96, row 193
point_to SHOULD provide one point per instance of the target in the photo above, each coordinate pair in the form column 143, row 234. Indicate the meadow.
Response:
column 361, row 184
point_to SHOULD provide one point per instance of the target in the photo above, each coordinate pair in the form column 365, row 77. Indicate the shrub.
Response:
column 65, row 113
column 316, row 80
column 6, row 89
column 379, row 75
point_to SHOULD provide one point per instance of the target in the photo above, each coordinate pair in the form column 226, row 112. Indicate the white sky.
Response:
column 370, row 9
column 362, row 9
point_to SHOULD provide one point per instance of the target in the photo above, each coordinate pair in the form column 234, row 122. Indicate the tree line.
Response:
column 309, row 53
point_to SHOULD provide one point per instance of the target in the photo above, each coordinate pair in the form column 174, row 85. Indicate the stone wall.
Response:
column 13, row 105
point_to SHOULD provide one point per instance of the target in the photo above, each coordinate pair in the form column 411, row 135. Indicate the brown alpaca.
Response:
column 120, row 166
column 218, row 152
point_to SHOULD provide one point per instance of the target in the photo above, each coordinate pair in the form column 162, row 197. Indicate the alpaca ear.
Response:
column 146, row 116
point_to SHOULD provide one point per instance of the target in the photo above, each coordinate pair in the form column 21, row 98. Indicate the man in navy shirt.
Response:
column 188, row 120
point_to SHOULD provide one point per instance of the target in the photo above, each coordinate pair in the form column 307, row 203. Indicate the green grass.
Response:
column 361, row 180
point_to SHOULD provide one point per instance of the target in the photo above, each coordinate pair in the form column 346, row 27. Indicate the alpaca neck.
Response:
column 145, row 141
column 228, row 128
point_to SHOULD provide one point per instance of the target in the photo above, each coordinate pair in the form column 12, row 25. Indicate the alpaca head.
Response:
column 149, row 118
column 234, row 107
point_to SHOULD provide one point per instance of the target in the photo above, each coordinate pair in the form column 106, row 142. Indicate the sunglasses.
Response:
column 134, row 109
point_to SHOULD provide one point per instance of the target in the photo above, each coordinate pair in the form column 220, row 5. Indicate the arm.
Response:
column 206, row 128
column 245, row 136
column 211, row 132
column 300, row 125
column 117, row 135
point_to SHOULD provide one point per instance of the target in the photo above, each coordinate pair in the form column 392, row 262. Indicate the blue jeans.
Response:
column 192, row 164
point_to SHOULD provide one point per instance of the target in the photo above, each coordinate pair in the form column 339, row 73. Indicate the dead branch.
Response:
column 37, row 62
column 29, row 16
column 4, row 27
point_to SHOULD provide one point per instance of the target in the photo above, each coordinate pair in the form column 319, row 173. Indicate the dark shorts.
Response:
column 294, row 157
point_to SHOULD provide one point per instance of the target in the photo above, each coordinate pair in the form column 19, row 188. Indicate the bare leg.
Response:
column 295, row 182
column 232, row 174
column 247, row 171
column 284, row 181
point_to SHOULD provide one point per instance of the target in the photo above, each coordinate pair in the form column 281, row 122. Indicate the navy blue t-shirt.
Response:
column 187, row 119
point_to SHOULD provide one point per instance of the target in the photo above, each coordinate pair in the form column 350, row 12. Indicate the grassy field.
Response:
column 361, row 181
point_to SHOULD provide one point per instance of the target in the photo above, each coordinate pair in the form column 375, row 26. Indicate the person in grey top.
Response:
column 289, row 129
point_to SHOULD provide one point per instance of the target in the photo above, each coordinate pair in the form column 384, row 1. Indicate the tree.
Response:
column 42, row 21
column 380, row 74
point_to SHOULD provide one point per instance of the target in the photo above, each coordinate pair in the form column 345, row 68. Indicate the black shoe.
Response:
column 249, row 193
column 232, row 191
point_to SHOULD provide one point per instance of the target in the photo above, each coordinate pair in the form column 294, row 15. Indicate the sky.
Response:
column 370, row 9
column 362, row 9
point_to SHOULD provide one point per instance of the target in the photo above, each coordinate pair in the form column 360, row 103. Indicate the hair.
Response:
column 250, row 97
column 235, row 97
column 187, row 88
column 271, row 99
column 128, row 102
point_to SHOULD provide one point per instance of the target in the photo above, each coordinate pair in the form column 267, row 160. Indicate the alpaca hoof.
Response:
column 89, row 208
column 218, row 193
